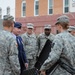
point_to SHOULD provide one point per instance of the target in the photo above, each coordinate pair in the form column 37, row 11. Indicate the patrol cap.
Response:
column 62, row 19
column 8, row 17
column 30, row 25
column 47, row 26
column 71, row 28
column 17, row 25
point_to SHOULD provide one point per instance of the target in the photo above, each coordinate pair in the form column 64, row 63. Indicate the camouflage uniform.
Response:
column 30, row 43
column 63, row 45
column 42, row 38
column 66, row 42
column 9, row 64
column 71, row 30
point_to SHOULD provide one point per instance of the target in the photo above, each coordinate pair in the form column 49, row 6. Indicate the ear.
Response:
column 60, row 26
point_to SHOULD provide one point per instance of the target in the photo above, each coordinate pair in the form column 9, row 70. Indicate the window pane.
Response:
column 66, row 2
column 24, row 9
column 66, row 9
column 37, row 2
column 36, row 7
column 50, row 6
column 66, row 6
column 50, row 2
column 50, row 11
column 36, row 12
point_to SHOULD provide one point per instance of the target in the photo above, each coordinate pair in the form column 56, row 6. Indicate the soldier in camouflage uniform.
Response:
column 71, row 30
column 9, row 64
column 30, row 43
column 42, row 38
column 63, row 45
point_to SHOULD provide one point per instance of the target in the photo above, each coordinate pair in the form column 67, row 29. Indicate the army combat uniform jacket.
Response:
column 30, row 43
column 9, row 64
column 42, row 38
column 63, row 45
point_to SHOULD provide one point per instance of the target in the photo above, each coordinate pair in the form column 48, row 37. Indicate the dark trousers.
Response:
column 22, row 67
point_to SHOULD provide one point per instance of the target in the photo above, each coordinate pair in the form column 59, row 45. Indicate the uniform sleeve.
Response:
column 13, row 57
column 38, row 43
column 55, row 53
column 24, row 57
column 23, row 38
column 52, row 37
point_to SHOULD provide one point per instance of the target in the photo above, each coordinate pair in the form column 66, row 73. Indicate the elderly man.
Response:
column 21, row 51
column 9, row 64
column 42, row 38
column 30, row 43
column 63, row 47
column 71, row 30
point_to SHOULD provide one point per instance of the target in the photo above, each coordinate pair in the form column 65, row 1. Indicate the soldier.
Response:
column 63, row 46
column 42, row 38
column 71, row 30
column 21, row 53
column 30, row 43
column 9, row 64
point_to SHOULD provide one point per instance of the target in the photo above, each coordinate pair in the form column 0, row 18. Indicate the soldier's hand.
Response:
column 42, row 73
column 26, row 65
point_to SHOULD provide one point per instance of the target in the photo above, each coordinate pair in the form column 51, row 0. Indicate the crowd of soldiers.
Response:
column 19, row 52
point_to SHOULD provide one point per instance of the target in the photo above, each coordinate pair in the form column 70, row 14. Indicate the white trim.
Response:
column 34, row 8
column 64, row 6
column 22, row 9
column 52, row 7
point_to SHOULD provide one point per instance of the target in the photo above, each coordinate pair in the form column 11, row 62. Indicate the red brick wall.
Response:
column 29, row 8
column 58, row 6
column 18, row 8
column 40, row 21
column 43, row 7
column 43, row 18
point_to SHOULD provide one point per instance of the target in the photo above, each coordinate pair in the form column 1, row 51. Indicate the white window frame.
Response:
column 8, row 11
column 65, row 6
column 34, row 8
column 1, row 13
column 22, row 9
column 52, row 7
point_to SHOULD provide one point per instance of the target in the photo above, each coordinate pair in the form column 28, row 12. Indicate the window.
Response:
column 0, row 13
column 8, row 10
column 23, row 8
column 36, row 7
column 66, row 6
column 50, row 6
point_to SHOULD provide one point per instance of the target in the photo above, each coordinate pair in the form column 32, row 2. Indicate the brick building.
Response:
column 41, row 12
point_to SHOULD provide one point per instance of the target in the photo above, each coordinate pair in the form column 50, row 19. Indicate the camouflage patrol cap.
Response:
column 62, row 19
column 8, row 17
column 30, row 25
column 71, row 28
column 47, row 26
